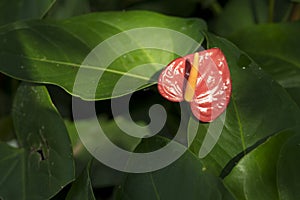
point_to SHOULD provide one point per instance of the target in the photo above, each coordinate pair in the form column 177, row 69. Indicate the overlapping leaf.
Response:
column 276, row 48
column 12, row 11
column 270, row 171
column 82, row 186
column 259, row 107
column 53, row 51
column 243, row 14
column 44, row 163
column 186, row 178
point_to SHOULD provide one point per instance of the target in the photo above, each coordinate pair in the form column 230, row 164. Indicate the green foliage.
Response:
column 254, row 145
column 43, row 163
column 82, row 186
column 267, row 170
column 56, row 48
column 185, row 178
column 255, row 100
column 12, row 11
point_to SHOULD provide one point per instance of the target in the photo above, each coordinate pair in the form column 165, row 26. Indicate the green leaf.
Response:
column 259, row 107
column 186, row 178
column 270, row 171
column 239, row 15
column 114, row 133
column 68, row 8
column 11, row 11
column 295, row 94
column 53, row 51
column 43, row 164
column 288, row 174
column 82, row 187
column 169, row 7
column 276, row 49
column 103, row 176
column 6, row 128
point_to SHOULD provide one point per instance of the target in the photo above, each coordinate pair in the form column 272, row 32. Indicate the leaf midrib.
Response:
column 84, row 66
column 242, row 134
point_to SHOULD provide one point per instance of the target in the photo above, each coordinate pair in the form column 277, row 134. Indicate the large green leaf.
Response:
column 270, row 171
column 295, row 94
column 114, row 133
column 53, row 51
column 44, row 163
column 276, row 49
column 82, row 187
column 239, row 14
column 288, row 173
column 259, row 107
column 186, row 178
column 169, row 7
column 236, row 14
column 68, row 8
column 11, row 11
column 103, row 175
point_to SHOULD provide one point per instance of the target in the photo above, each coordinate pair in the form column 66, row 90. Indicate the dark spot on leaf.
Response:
column 40, row 151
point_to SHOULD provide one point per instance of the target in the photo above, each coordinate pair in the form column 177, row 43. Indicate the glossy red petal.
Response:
column 171, row 80
column 213, row 87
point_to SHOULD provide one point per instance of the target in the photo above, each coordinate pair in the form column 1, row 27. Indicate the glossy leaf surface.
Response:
column 259, row 107
column 54, row 51
column 184, row 179
column 43, row 164
column 280, row 58
column 270, row 171
column 82, row 186
column 23, row 9
column 238, row 15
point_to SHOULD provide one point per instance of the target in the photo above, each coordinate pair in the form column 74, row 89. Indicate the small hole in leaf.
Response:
column 40, row 151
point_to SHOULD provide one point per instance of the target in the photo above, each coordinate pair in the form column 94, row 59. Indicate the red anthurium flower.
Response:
column 202, row 78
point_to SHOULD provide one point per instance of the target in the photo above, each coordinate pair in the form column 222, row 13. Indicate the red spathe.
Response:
column 213, row 85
